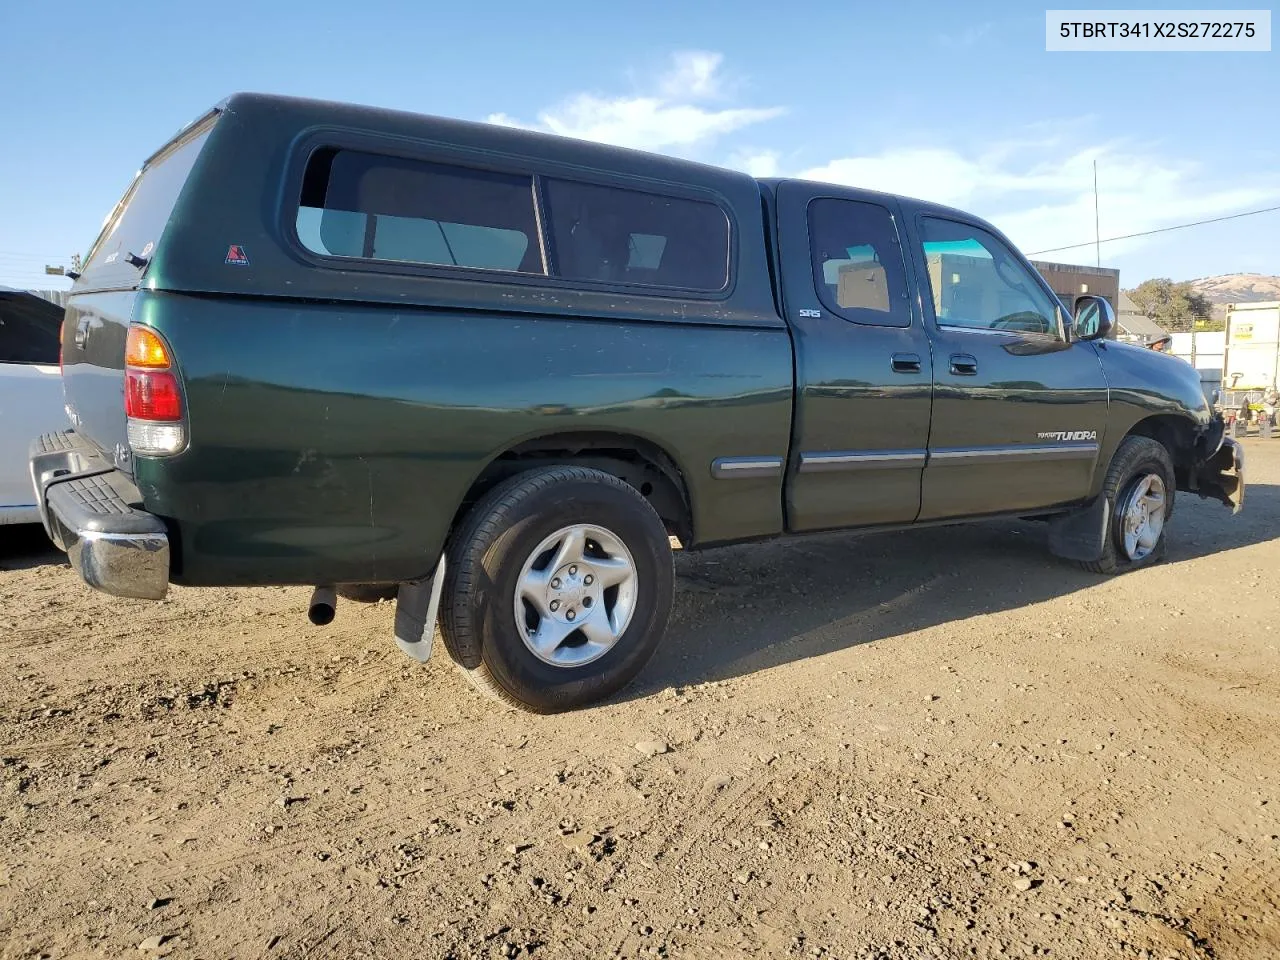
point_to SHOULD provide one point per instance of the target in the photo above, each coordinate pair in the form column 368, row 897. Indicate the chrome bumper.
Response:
column 89, row 509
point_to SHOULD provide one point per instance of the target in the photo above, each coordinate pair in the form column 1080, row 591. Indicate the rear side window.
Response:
column 137, row 222
column 29, row 329
column 858, row 268
column 629, row 236
column 374, row 207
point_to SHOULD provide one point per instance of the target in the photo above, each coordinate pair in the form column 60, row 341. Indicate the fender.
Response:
column 1157, row 395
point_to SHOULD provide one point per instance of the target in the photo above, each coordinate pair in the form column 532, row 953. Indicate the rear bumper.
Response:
column 90, row 510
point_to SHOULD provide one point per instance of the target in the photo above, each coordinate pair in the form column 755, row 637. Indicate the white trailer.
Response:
column 1252, row 360
column 1204, row 350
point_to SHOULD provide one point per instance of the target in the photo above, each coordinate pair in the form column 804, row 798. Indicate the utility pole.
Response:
column 1097, row 233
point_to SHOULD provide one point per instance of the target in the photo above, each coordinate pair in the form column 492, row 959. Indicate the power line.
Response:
column 1147, row 233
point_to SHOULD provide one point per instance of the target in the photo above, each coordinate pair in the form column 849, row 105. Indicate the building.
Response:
column 1070, row 280
column 1136, row 326
column 967, row 285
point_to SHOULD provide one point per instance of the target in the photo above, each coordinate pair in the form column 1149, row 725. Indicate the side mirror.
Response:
column 1095, row 319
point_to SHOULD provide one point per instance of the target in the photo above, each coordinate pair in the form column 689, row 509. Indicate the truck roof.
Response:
column 245, row 180
column 241, row 178
column 517, row 140
column 449, row 130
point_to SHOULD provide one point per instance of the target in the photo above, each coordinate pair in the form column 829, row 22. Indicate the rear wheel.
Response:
column 558, row 588
column 1139, row 488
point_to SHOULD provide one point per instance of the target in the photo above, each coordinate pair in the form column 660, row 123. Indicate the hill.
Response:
column 1238, row 288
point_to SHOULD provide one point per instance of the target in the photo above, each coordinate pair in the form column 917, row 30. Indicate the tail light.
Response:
column 152, row 396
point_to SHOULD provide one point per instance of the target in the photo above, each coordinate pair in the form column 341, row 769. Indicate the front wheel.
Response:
column 558, row 588
column 1139, row 488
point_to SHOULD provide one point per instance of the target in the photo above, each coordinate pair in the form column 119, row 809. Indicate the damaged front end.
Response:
column 1218, row 471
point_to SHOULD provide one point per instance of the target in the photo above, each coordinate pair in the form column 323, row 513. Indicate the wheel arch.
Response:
column 1177, row 434
column 1081, row 534
column 638, row 461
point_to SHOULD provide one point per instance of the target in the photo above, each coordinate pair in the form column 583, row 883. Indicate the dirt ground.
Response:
column 939, row 743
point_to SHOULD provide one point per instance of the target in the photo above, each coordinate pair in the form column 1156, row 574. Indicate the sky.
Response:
column 951, row 102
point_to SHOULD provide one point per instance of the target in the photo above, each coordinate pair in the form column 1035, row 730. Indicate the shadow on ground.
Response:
column 748, row 608
column 23, row 546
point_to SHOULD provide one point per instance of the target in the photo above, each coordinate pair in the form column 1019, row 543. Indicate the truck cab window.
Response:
column 857, row 262
column 978, row 283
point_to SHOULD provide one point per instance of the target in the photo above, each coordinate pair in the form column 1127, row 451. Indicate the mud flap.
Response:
column 417, row 604
column 1082, row 533
column 1221, row 477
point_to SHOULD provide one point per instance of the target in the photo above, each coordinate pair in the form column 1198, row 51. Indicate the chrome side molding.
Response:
column 746, row 468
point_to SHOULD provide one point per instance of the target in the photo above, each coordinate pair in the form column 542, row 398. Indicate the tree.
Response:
column 1175, row 306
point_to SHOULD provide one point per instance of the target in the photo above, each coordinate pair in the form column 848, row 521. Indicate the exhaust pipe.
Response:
column 324, row 603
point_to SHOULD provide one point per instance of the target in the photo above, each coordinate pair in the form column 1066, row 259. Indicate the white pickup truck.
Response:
column 30, row 394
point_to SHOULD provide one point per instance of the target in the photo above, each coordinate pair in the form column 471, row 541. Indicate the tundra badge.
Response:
column 1068, row 435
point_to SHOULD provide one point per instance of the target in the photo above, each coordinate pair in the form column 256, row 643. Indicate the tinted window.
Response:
column 978, row 282
column 857, row 262
column 139, row 219
column 29, row 329
column 386, row 208
column 627, row 236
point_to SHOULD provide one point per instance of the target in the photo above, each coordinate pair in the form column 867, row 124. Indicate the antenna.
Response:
column 1097, row 233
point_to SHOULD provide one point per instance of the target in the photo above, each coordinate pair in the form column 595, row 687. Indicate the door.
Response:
column 1018, row 410
column 863, row 374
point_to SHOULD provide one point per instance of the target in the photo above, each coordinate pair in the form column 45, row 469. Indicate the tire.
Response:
column 502, row 545
column 1136, row 461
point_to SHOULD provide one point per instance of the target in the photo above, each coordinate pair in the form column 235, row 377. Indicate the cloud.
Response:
column 694, row 74
column 757, row 163
column 966, row 37
column 668, row 119
column 1035, row 184
column 943, row 175
column 1044, row 199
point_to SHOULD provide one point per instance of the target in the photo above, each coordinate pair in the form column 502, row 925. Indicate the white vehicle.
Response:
column 30, row 394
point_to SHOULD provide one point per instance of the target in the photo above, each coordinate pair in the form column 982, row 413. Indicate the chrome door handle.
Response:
column 906, row 363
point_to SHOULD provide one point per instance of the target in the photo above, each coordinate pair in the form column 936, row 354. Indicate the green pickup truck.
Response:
column 492, row 373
